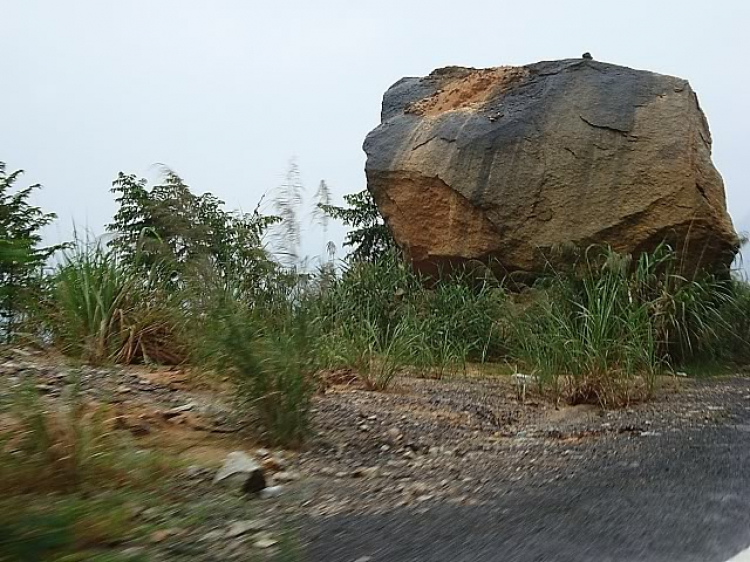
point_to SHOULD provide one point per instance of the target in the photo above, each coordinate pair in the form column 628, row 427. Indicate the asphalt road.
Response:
column 677, row 497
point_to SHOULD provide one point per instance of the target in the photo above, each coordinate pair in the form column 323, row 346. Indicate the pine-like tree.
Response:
column 21, row 256
column 369, row 236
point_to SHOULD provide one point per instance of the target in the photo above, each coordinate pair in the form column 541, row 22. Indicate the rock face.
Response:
column 241, row 471
column 505, row 164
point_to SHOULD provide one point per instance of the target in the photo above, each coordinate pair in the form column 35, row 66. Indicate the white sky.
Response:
column 227, row 91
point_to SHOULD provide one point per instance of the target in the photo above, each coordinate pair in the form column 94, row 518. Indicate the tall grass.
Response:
column 605, row 328
column 374, row 294
column 734, row 340
column 91, row 290
column 268, row 352
column 592, row 345
column 102, row 310
column 599, row 331
column 64, row 479
column 374, row 355
column 689, row 314
column 65, row 529
column 67, row 447
column 380, row 317
column 455, row 320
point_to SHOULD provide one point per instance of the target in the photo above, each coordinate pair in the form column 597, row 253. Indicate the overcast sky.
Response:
column 225, row 92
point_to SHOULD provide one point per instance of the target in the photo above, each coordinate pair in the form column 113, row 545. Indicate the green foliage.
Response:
column 102, row 309
column 282, row 388
column 381, row 316
column 369, row 236
column 735, row 341
column 62, row 469
column 184, row 274
column 374, row 355
column 603, row 330
column 66, row 449
column 267, row 348
column 21, row 257
column 170, row 230
column 689, row 315
column 64, row 529
column 30, row 537
column 91, row 289
column 455, row 320
column 375, row 292
column 590, row 345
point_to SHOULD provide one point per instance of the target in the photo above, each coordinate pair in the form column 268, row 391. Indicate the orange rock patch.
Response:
column 469, row 90
column 437, row 218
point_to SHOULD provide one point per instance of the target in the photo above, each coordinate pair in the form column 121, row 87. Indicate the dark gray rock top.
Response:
column 506, row 161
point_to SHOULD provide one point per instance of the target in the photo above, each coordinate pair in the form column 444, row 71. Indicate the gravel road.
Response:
column 679, row 493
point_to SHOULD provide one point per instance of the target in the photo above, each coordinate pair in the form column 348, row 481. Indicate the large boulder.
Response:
column 507, row 164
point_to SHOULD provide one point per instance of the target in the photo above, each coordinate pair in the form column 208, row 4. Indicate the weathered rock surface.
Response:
column 505, row 164
column 241, row 471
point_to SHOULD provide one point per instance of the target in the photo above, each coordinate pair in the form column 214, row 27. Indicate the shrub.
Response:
column 375, row 294
column 369, row 236
column 104, row 310
column 168, row 231
column 591, row 346
column 689, row 315
column 21, row 257
column 269, row 354
column 604, row 329
column 735, row 339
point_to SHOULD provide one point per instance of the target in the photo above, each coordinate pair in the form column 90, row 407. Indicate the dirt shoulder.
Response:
column 662, row 481
column 437, row 470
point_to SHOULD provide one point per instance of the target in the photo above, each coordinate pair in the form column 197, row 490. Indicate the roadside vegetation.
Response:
column 180, row 280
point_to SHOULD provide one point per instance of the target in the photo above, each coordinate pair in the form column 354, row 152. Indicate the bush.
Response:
column 167, row 231
column 104, row 310
column 21, row 257
column 688, row 314
column 268, row 353
column 381, row 313
column 375, row 294
column 368, row 236
column 604, row 329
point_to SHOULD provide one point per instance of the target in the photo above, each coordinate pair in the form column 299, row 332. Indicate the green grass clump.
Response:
column 68, row 447
column 733, row 341
column 589, row 343
column 374, row 356
column 103, row 310
column 267, row 349
column 381, row 317
column 603, row 330
column 455, row 320
column 64, row 529
column 65, row 476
